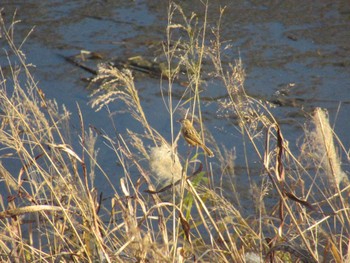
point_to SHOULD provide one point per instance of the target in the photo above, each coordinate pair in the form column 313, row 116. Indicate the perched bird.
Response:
column 192, row 137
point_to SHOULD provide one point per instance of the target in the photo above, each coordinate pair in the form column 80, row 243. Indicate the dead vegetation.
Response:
column 52, row 212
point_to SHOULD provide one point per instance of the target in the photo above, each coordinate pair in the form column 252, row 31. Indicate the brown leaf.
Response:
column 185, row 226
column 302, row 202
column 279, row 163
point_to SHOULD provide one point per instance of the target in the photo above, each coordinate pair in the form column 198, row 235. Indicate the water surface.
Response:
column 294, row 50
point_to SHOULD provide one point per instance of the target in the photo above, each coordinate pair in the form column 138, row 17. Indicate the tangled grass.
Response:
column 52, row 212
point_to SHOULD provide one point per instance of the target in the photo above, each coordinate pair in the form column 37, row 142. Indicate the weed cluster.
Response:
column 51, row 211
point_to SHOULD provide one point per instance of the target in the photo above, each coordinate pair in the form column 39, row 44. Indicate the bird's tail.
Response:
column 208, row 151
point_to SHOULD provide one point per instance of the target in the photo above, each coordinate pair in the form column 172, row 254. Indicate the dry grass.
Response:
column 51, row 211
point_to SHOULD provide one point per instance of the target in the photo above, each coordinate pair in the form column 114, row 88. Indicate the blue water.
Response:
column 298, row 49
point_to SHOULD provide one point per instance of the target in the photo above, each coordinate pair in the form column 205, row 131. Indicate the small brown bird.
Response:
column 192, row 137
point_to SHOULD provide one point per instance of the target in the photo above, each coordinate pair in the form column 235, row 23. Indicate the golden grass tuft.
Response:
column 320, row 148
column 165, row 165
